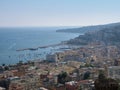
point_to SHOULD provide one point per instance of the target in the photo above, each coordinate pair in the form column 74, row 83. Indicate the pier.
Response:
column 32, row 49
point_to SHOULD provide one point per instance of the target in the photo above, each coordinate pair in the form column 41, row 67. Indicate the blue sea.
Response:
column 12, row 39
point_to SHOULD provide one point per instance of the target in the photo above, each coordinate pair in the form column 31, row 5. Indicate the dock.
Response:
column 32, row 49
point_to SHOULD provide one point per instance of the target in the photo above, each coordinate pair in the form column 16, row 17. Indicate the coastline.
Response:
column 37, row 43
column 53, row 45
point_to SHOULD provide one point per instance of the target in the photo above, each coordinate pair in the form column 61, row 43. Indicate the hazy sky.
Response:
column 17, row 13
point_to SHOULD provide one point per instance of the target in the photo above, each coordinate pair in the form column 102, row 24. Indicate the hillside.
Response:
column 108, row 35
column 88, row 28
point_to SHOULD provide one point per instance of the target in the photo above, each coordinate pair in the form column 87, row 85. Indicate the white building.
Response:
column 1, row 88
column 114, row 72
column 42, row 88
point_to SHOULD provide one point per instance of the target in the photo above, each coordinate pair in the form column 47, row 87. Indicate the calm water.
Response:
column 12, row 39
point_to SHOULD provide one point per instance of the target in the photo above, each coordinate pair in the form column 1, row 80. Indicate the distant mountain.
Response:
column 110, row 34
column 88, row 28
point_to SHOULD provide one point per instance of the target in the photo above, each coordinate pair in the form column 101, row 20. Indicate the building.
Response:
column 86, row 84
column 72, row 85
column 117, row 62
column 42, row 88
column 114, row 72
column 1, row 88
column 16, row 86
column 51, row 58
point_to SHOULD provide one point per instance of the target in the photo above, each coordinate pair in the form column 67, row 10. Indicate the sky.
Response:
column 32, row 13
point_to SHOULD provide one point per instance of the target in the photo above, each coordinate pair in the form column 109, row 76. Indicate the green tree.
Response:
column 62, row 77
column 101, row 76
column 86, row 75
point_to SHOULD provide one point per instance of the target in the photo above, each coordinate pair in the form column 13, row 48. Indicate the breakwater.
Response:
column 32, row 49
